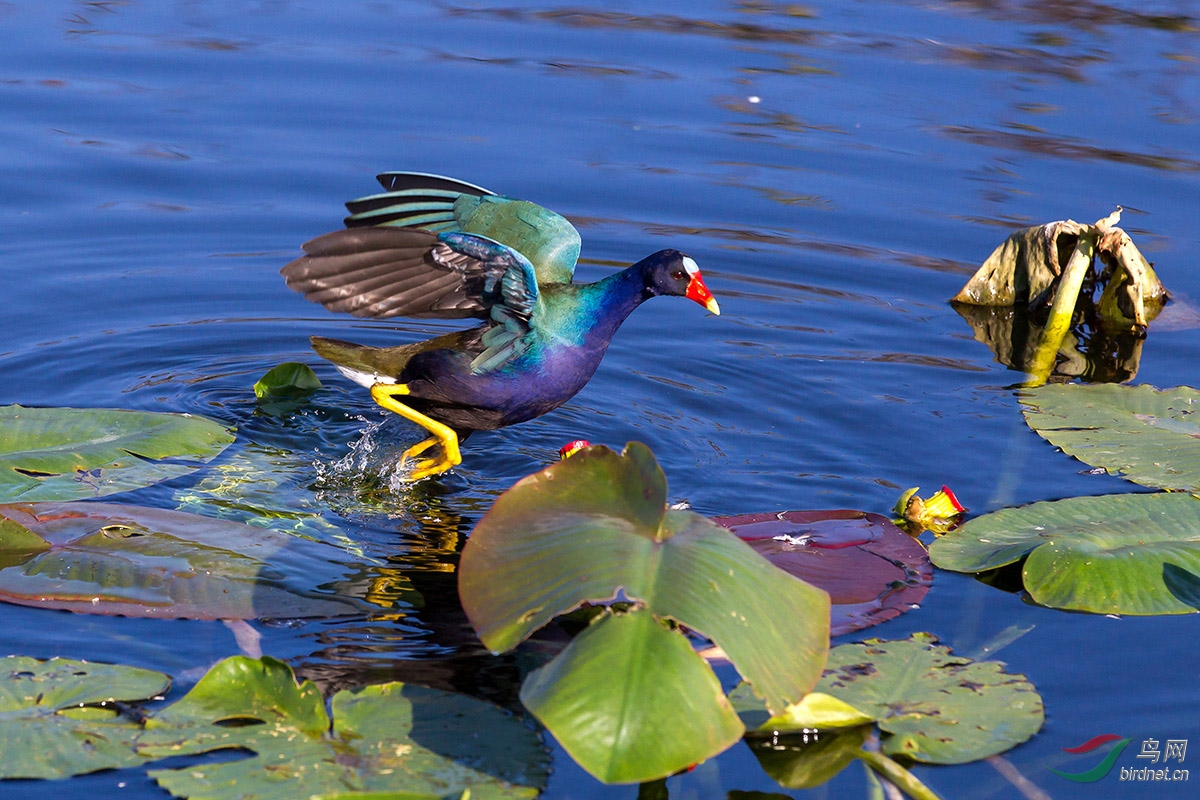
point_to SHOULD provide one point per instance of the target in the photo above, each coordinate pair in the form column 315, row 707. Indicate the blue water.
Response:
column 837, row 169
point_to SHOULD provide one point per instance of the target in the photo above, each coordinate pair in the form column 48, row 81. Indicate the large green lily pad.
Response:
column 1145, row 435
column 1116, row 554
column 935, row 707
column 103, row 558
column 595, row 527
column 52, row 720
column 391, row 740
column 77, row 453
column 615, row 696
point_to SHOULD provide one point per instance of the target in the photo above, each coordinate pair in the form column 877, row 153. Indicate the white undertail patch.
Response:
column 367, row 379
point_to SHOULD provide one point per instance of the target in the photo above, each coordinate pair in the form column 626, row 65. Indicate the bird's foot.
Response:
column 426, row 467
column 385, row 395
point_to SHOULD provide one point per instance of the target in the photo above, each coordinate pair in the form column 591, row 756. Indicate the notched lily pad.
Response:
column 53, row 720
column 934, row 706
column 872, row 570
column 391, row 740
column 1145, row 435
column 77, row 453
column 1115, row 554
column 102, row 558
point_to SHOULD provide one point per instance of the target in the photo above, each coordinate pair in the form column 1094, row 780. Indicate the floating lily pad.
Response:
column 872, row 570
column 77, row 453
column 1116, row 554
column 287, row 380
column 52, row 722
column 597, row 524
column 1145, row 435
column 101, row 558
column 390, row 740
column 935, row 707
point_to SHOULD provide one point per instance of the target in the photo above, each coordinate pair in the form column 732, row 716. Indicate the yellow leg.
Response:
column 385, row 395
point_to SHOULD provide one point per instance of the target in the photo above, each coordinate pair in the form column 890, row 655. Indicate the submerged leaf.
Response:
column 872, row 570
column 631, row 701
column 102, row 558
column 1145, row 435
column 595, row 525
column 50, row 721
column 936, row 707
column 391, row 740
column 1108, row 555
column 76, row 453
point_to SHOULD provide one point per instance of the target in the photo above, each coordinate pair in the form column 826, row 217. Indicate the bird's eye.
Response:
column 677, row 274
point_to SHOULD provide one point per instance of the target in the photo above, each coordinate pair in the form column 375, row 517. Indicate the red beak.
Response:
column 698, row 292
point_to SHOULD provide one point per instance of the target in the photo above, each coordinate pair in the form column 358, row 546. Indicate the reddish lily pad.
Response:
column 872, row 570
column 104, row 558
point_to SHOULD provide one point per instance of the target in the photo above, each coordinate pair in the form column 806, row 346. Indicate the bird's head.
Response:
column 671, row 272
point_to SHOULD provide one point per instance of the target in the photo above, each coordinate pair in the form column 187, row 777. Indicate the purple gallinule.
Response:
column 430, row 246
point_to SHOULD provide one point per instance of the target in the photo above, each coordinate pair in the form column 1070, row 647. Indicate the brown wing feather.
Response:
column 388, row 272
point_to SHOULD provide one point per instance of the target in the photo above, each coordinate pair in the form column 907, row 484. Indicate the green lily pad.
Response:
column 935, row 707
column 287, row 380
column 77, row 453
column 1115, row 554
column 596, row 526
column 1148, row 436
column 52, row 722
column 261, row 486
column 615, row 696
column 102, row 558
column 391, row 740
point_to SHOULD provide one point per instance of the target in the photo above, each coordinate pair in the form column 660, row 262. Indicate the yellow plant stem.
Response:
column 897, row 775
column 1065, row 297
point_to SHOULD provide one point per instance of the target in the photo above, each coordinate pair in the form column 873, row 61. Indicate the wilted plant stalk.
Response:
column 1062, row 310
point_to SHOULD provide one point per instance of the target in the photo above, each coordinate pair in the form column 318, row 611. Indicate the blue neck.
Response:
column 610, row 301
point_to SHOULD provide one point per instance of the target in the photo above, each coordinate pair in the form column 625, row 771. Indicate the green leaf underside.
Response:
column 386, row 740
column 103, row 558
column 72, row 453
column 616, row 696
column 1107, row 554
column 1148, row 436
column 44, row 731
column 596, row 525
column 937, row 707
column 288, row 379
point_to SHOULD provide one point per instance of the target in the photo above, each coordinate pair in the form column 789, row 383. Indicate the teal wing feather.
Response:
column 444, row 205
column 511, row 289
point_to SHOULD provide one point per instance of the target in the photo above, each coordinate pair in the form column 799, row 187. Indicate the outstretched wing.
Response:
column 389, row 272
column 412, row 200
column 439, row 204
